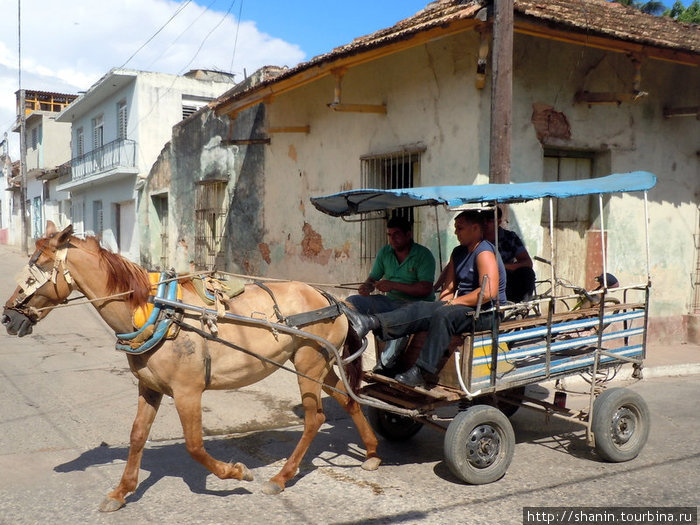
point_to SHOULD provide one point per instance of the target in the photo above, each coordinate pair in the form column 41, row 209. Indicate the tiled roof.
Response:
column 598, row 18
column 614, row 20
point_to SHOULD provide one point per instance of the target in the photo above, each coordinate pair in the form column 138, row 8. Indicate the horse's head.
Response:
column 42, row 284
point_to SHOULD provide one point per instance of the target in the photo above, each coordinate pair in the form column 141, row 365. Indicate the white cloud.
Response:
column 70, row 46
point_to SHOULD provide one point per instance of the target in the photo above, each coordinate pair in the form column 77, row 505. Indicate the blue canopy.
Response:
column 366, row 200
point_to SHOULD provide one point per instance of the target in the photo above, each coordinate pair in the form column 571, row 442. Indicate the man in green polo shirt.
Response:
column 404, row 271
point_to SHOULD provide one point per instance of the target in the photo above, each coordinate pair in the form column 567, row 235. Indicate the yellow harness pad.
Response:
column 143, row 312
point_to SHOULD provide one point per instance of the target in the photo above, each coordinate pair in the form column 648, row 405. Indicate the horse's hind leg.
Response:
column 189, row 407
column 149, row 401
column 309, row 362
column 367, row 435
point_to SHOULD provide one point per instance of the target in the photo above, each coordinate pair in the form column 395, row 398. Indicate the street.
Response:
column 67, row 400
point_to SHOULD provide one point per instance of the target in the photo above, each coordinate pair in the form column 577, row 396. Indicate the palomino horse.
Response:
column 187, row 365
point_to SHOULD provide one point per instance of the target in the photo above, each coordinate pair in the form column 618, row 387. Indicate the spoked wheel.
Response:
column 392, row 426
column 620, row 424
column 479, row 445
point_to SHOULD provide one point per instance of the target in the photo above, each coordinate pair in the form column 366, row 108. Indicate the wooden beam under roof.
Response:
column 328, row 68
column 606, row 43
column 522, row 26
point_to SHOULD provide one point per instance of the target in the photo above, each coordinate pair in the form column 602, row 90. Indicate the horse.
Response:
column 188, row 364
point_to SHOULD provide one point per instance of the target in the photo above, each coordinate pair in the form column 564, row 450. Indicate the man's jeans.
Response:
column 375, row 304
column 441, row 320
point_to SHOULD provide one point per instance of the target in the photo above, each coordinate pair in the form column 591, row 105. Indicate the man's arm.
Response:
column 522, row 259
column 418, row 289
column 448, row 284
column 486, row 265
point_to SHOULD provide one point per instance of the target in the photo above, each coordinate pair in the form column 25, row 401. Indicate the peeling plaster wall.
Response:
column 196, row 154
column 273, row 230
column 431, row 99
column 628, row 137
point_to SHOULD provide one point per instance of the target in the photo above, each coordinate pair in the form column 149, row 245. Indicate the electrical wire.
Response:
column 235, row 42
column 177, row 12
column 204, row 11
column 160, row 94
column 221, row 21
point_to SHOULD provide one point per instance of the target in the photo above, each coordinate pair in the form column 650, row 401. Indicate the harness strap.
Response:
column 280, row 318
column 304, row 318
column 59, row 259
column 211, row 337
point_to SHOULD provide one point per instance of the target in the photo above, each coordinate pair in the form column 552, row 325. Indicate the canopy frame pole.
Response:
column 603, row 248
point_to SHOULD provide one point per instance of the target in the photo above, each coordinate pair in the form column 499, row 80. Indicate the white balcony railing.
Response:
column 120, row 153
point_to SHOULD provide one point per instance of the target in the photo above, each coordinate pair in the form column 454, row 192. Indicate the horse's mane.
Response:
column 122, row 274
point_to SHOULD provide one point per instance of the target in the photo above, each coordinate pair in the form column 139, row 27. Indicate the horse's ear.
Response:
column 50, row 229
column 63, row 236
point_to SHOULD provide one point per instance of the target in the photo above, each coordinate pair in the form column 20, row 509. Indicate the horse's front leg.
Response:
column 309, row 362
column 149, row 401
column 372, row 459
column 189, row 408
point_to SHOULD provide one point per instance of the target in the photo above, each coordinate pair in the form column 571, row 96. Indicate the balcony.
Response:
column 113, row 159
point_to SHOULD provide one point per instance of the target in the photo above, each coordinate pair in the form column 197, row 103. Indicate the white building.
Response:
column 118, row 128
column 6, row 194
column 47, row 146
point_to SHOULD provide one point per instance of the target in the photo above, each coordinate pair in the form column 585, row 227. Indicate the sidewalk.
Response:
column 674, row 359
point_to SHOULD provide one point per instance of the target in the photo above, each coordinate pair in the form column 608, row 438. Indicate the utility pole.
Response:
column 22, row 134
column 501, row 92
column 23, row 169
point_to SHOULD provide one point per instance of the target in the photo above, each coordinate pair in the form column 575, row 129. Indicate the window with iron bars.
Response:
column 210, row 216
column 160, row 203
column 395, row 170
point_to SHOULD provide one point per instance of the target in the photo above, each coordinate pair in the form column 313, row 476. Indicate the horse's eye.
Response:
column 31, row 281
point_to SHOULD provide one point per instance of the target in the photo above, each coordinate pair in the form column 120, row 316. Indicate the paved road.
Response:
column 67, row 400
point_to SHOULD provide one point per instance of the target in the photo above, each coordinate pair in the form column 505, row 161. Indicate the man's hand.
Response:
column 366, row 288
column 384, row 285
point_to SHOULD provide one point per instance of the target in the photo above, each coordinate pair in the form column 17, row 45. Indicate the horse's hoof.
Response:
column 110, row 505
column 372, row 463
column 246, row 474
column 271, row 488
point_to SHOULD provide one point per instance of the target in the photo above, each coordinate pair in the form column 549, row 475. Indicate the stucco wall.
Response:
column 196, row 153
column 431, row 99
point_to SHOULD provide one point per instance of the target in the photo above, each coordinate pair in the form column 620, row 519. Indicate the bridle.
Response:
column 32, row 277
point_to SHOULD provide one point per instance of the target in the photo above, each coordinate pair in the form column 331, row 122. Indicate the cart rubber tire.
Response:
column 393, row 427
column 479, row 445
column 620, row 424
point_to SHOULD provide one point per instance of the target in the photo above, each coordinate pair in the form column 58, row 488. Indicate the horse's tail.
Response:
column 353, row 370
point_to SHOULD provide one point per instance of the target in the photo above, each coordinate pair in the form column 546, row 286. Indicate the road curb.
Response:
column 625, row 374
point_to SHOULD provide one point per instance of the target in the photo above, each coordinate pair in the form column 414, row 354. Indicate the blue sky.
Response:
column 317, row 26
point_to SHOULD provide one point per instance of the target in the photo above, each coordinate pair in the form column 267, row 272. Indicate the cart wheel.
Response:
column 479, row 445
column 620, row 424
column 392, row 426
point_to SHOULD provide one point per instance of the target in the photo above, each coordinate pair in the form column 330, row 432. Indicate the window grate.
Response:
column 210, row 215
column 389, row 171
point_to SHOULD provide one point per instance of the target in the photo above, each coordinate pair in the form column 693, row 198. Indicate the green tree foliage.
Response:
column 690, row 14
column 652, row 7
